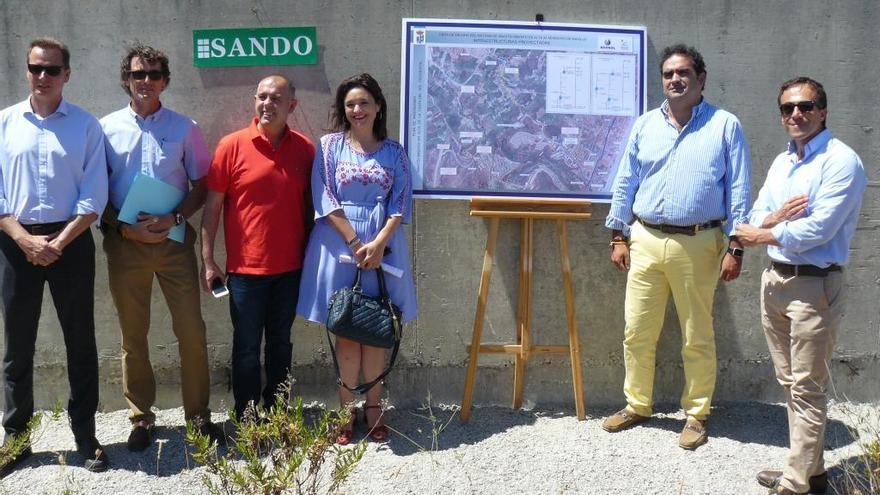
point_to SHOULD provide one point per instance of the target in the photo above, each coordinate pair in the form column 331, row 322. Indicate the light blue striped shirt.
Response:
column 166, row 145
column 52, row 168
column 692, row 177
column 834, row 178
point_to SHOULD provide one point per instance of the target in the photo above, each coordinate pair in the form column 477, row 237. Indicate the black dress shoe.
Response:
column 94, row 457
column 212, row 431
column 14, row 461
column 141, row 436
column 771, row 479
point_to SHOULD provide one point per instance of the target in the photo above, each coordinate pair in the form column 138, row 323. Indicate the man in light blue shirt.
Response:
column 806, row 215
column 53, row 186
column 147, row 138
column 682, row 186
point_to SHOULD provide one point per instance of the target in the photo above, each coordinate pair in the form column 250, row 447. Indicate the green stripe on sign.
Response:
column 257, row 46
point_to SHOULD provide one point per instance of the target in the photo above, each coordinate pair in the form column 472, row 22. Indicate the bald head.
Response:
column 279, row 80
column 273, row 102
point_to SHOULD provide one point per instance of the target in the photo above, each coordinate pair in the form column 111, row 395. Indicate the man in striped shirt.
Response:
column 682, row 186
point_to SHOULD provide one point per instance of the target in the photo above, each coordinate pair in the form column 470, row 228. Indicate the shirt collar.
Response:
column 695, row 112
column 63, row 107
column 255, row 133
column 819, row 141
column 153, row 116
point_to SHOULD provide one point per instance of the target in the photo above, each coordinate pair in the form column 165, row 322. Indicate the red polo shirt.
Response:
column 267, row 208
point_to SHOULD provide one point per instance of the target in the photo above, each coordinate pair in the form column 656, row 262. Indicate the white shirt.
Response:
column 166, row 145
column 52, row 168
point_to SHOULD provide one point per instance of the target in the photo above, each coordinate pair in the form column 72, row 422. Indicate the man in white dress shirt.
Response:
column 53, row 186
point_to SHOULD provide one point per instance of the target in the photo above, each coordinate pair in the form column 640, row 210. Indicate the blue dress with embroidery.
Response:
column 368, row 188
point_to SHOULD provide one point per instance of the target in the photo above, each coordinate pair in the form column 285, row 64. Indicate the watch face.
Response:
column 178, row 219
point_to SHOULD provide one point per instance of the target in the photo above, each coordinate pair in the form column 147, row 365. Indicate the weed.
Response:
column 278, row 451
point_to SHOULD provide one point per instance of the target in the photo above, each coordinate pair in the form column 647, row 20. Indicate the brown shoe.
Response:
column 771, row 479
column 694, row 434
column 622, row 420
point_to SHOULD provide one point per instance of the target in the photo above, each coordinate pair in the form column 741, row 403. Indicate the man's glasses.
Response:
column 140, row 75
column 50, row 70
column 804, row 106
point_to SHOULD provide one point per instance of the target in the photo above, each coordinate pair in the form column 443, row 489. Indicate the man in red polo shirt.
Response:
column 260, row 180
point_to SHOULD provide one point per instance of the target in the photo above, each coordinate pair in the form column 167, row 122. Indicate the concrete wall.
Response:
column 750, row 47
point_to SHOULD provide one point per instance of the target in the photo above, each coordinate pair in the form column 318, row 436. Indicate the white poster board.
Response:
column 522, row 109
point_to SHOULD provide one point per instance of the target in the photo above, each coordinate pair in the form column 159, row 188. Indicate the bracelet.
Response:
column 615, row 242
column 353, row 242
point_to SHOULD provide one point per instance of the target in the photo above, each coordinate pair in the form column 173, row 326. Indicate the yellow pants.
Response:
column 688, row 267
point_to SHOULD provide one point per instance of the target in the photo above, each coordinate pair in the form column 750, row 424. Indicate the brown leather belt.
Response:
column 681, row 229
column 803, row 270
column 43, row 228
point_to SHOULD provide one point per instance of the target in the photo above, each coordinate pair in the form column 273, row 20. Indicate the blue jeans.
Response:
column 258, row 304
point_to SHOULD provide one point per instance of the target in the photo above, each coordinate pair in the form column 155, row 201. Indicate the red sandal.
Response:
column 378, row 432
column 346, row 434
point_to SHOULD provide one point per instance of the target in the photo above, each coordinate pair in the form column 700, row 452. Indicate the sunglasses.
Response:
column 140, row 75
column 51, row 70
column 804, row 106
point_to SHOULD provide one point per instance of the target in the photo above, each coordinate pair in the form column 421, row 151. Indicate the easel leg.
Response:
column 573, row 341
column 482, row 297
column 524, row 311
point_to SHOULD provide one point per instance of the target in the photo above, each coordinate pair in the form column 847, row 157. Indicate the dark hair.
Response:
column 338, row 122
column 821, row 98
column 49, row 43
column 687, row 51
column 148, row 55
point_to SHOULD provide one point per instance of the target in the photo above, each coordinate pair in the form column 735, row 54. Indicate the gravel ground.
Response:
column 499, row 451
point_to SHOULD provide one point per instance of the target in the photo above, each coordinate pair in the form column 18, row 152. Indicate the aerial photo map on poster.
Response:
column 518, row 109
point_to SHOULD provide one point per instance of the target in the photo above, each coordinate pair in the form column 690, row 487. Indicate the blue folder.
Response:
column 155, row 197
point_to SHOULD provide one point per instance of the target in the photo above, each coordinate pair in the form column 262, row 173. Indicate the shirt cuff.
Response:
column 780, row 233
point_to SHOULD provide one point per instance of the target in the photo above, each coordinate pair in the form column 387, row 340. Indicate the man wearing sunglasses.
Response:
column 806, row 215
column 53, row 186
column 147, row 138
column 682, row 186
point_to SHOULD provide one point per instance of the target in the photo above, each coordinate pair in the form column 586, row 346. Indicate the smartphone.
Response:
column 218, row 288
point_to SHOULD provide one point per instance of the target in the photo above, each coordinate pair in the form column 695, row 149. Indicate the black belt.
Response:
column 681, row 229
column 44, row 228
column 803, row 270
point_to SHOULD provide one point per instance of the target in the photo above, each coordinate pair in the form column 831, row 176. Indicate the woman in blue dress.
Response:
column 361, row 187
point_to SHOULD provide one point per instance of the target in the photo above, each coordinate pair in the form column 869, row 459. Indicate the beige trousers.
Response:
column 132, row 266
column 801, row 316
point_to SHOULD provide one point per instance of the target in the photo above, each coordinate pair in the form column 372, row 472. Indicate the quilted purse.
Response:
column 365, row 319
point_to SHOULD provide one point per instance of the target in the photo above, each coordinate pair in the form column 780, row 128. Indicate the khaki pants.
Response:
column 132, row 266
column 801, row 316
column 688, row 268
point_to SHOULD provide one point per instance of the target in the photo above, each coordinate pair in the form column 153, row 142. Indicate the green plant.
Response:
column 278, row 451
column 861, row 474
column 14, row 446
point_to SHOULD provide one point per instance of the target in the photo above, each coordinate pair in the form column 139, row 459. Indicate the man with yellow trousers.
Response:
column 682, row 186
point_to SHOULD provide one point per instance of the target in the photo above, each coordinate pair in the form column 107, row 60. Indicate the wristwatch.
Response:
column 178, row 218
column 736, row 252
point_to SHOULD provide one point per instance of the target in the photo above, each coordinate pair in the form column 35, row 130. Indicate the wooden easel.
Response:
column 527, row 210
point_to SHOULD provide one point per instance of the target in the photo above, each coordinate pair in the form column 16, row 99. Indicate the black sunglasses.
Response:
column 140, row 75
column 804, row 106
column 51, row 70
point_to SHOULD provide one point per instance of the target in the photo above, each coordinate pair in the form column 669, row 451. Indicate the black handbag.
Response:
column 365, row 319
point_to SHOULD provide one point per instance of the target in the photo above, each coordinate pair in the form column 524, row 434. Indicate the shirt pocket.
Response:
column 169, row 154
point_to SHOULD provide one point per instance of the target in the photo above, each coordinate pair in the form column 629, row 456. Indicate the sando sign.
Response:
column 525, row 109
column 258, row 46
